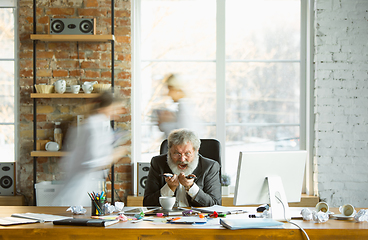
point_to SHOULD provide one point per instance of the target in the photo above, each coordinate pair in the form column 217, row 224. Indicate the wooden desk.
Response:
column 333, row 229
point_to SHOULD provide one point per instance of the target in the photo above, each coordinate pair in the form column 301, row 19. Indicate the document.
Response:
column 220, row 209
column 138, row 210
column 40, row 216
column 7, row 221
column 245, row 223
column 173, row 212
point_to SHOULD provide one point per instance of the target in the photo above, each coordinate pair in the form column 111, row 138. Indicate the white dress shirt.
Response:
column 181, row 194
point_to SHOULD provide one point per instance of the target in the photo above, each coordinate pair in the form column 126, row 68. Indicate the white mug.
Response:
column 167, row 203
column 75, row 88
column 322, row 206
column 347, row 210
column 87, row 88
column 60, row 86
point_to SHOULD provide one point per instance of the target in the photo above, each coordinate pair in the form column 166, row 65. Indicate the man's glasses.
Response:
column 179, row 155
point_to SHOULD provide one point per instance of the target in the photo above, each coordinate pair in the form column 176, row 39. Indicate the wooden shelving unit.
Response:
column 47, row 154
column 63, row 95
column 64, row 38
column 69, row 38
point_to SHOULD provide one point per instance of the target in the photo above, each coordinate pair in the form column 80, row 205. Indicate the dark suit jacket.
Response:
column 208, row 181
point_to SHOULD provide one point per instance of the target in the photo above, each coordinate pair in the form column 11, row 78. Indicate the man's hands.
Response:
column 173, row 182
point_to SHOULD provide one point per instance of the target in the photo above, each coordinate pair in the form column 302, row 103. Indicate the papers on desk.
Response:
column 173, row 212
column 138, row 210
column 245, row 223
column 220, row 209
column 188, row 220
column 24, row 218
column 40, row 216
column 7, row 221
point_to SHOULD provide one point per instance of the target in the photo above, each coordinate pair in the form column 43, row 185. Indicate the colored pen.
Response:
column 94, row 202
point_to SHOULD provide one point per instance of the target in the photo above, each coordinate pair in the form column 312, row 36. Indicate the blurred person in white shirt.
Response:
column 90, row 154
column 184, row 114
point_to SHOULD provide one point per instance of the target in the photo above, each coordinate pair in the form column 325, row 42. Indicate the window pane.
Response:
column 7, row 92
column 7, row 143
column 257, row 138
column 263, row 29
column 7, row 33
column 174, row 29
column 262, row 93
column 7, row 84
column 200, row 88
column 262, row 77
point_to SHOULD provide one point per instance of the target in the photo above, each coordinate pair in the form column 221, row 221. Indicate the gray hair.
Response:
column 183, row 136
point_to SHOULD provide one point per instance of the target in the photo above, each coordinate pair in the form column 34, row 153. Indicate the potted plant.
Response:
column 225, row 182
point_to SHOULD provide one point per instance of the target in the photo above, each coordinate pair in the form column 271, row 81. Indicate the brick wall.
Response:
column 60, row 60
column 341, row 94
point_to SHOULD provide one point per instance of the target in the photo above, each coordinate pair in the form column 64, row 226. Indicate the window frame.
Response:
column 306, row 86
column 13, row 4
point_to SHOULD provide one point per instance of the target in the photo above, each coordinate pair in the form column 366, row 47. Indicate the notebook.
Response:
column 245, row 223
column 85, row 222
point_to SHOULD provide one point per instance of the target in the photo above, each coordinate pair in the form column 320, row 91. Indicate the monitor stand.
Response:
column 276, row 190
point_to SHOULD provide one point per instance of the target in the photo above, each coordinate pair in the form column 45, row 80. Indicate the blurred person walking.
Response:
column 184, row 115
column 90, row 154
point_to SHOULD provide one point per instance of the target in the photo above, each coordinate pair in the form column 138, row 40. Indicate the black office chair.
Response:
column 210, row 148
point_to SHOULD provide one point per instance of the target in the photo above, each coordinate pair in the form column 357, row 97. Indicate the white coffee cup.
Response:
column 87, row 88
column 322, row 206
column 347, row 210
column 167, row 203
column 75, row 89
column 60, row 86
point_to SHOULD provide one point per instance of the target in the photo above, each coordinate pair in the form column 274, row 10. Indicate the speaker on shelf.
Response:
column 72, row 26
column 7, row 178
column 143, row 169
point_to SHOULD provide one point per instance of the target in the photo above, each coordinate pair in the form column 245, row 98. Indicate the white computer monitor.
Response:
column 262, row 176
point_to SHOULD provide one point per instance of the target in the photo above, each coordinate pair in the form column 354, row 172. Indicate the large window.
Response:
column 7, row 80
column 240, row 61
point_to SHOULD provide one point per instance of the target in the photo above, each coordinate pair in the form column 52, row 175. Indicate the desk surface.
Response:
column 332, row 229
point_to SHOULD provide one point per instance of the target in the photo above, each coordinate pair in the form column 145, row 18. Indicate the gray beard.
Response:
column 190, row 168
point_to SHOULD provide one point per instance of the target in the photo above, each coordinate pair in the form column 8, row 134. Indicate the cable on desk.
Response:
column 283, row 206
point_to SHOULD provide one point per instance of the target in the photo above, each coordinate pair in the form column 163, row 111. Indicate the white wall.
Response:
column 341, row 101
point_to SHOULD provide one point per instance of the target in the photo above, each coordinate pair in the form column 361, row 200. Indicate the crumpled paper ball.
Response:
column 77, row 209
column 318, row 217
column 361, row 216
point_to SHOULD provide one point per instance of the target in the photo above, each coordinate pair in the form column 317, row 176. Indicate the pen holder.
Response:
column 98, row 207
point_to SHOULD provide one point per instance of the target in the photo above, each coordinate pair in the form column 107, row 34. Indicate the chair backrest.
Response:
column 210, row 148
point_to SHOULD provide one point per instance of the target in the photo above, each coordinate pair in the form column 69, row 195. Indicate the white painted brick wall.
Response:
column 341, row 101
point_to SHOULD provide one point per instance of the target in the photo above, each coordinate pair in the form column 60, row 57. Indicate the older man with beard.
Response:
column 192, row 178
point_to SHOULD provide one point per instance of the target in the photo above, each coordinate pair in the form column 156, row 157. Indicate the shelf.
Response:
column 68, row 38
column 63, row 95
column 17, row 200
column 47, row 154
